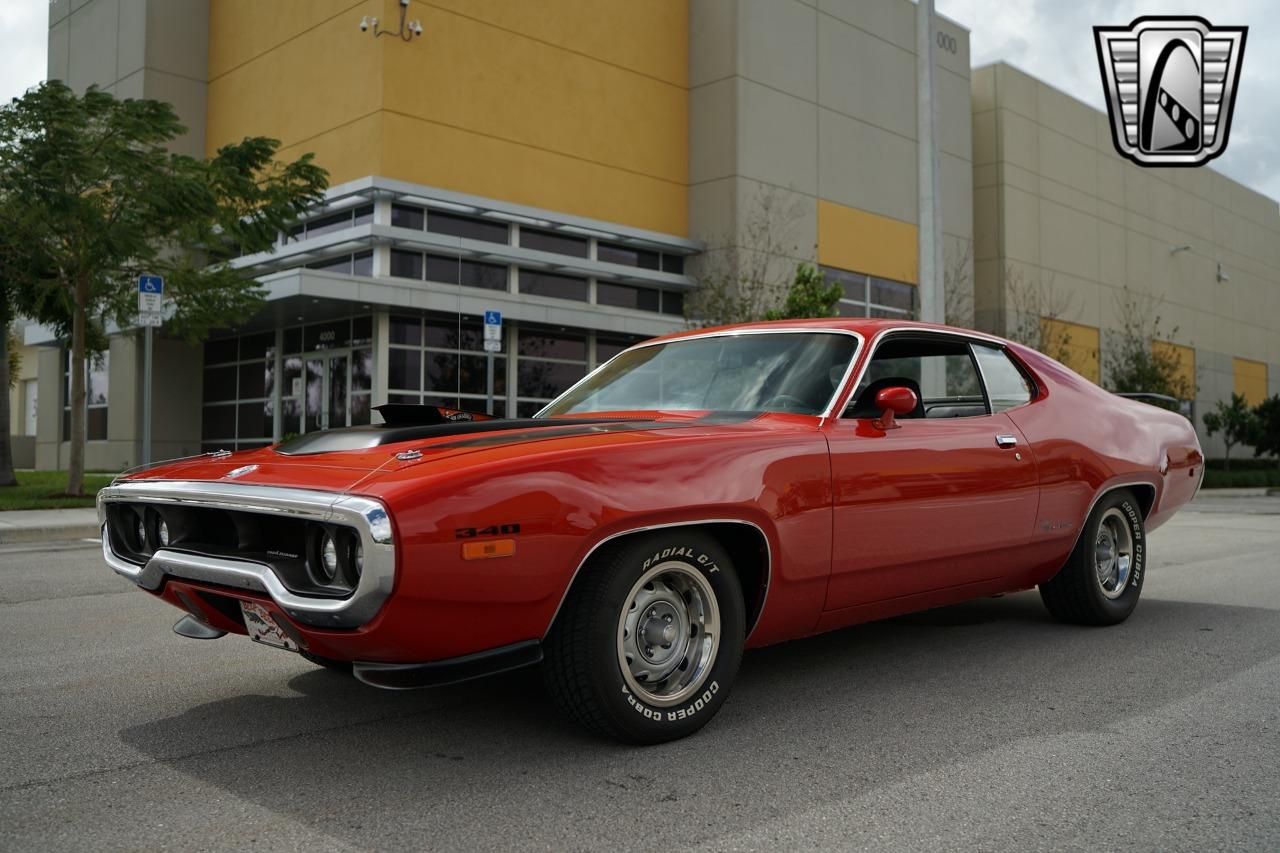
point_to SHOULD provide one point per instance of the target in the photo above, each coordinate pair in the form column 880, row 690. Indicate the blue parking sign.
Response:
column 150, row 284
column 493, row 318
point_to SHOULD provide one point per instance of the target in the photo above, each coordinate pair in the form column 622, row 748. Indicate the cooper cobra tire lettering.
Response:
column 584, row 664
column 1078, row 593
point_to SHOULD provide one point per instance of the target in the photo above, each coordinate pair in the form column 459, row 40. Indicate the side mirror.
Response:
column 894, row 401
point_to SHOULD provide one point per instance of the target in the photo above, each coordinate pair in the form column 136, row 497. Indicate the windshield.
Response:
column 768, row 372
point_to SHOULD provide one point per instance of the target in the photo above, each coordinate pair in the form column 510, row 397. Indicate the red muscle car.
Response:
column 698, row 494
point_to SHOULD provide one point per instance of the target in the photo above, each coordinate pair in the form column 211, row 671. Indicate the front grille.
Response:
column 290, row 547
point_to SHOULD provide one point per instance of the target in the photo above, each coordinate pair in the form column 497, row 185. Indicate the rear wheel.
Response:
column 1102, row 580
column 649, row 639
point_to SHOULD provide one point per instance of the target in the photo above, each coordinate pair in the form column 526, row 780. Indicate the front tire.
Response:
column 1102, row 580
column 649, row 639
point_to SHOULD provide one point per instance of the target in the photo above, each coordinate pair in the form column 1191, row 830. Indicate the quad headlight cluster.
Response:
column 335, row 556
column 150, row 531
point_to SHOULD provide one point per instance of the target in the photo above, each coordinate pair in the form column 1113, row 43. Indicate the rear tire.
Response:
column 1102, row 579
column 649, row 639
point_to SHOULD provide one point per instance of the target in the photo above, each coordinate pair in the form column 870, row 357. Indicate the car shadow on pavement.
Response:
column 829, row 716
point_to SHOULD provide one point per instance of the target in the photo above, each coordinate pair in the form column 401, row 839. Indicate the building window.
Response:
column 870, row 296
column 360, row 263
column 406, row 264
column 607, row 346
column 612, row 253
column 440, row 360
column 550, row 241
column 96, row 387
column 404, row 216
column 467, row 226
column 448, row 270
column 555, row 286
column 329, row 223
column 238, row 392
column 548, row 362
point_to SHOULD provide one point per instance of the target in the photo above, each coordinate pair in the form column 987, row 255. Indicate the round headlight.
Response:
column 328, row 558
column 141, row 532
column 357, row 559
column 162, row 533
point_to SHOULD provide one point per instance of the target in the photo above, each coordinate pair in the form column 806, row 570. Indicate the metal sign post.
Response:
column 150, row 299
column 492, row 344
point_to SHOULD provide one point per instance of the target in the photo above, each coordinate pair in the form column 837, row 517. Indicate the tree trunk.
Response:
column 7, row 477
column 75, row 466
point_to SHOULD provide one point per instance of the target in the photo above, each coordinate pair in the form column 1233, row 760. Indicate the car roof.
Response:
column 868, row 328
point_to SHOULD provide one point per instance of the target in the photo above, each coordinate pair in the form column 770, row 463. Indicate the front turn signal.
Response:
column 488, row 548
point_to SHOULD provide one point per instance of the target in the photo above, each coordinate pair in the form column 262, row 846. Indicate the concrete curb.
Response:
column 48, row 534
column 48, row 525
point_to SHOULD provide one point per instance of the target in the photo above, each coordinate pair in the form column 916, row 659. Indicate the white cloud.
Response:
column 1053, row 40
column 24, row 42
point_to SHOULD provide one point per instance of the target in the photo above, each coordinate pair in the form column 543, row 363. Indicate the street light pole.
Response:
column 930, row 212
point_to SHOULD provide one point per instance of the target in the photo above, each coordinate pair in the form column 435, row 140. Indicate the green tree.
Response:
column 809, row 296
column 1134, row 362
column 1266, row 432
column 97, row 198
column 1235, row 420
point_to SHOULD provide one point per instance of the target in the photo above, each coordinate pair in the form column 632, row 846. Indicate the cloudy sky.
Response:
column 1051, row 39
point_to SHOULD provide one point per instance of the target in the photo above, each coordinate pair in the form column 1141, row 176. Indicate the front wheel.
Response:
column 1102, row 580
column 649, row 639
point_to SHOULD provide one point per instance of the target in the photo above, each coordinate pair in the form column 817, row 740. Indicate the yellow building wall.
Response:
column 1251, row 380
column 858, row 241
column 578, row 108
column 1186, row 358
column 1074, row 344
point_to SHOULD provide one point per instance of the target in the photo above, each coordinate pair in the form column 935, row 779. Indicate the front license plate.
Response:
column 263, row 627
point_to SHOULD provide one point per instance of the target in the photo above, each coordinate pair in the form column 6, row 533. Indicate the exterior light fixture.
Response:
column 1222, row 275
column 406, row 32
column 1173, row 250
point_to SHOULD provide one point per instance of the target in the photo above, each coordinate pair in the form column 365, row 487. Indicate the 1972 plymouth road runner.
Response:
column 699, row 494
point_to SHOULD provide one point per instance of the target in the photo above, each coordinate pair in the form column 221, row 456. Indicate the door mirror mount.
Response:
column 892, row 402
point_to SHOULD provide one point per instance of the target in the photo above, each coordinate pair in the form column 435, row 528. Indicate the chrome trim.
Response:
column 367, row 516
column 878, row 338
column 768, row 562
column 731, row 333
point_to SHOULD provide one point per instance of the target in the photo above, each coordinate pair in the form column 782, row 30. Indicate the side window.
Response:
column 1007, row 386
column 940, row 371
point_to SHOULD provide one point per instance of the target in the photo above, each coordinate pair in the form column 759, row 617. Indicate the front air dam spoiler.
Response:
column 407, row 676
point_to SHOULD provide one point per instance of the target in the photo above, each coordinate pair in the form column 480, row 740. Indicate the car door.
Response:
column 947, row 498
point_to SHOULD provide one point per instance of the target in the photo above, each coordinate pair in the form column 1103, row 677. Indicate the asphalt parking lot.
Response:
column 983, row 725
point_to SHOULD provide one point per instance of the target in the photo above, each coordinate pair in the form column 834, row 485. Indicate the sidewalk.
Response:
column 48, row 525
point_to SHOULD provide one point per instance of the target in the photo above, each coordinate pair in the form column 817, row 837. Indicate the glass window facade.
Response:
column 440, row 360
column 471, row 227
column 870, row 296
column 550, row 241
column 555, row 286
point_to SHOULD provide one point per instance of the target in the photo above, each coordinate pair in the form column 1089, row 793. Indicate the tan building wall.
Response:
column 813, row 104
column 1058, row 212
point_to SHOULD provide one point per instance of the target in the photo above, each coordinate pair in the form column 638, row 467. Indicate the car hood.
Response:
column 344, row 460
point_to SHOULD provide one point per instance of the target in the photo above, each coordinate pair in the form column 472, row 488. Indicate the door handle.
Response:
column 1006, row 440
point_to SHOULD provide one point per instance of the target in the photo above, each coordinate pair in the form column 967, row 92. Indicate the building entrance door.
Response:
column 338, row 383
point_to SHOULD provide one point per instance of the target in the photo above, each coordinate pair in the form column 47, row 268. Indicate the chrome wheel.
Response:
column 668, row 634
column 1113, row 553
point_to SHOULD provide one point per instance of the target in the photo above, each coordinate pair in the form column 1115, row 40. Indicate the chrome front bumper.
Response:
column 366, row 516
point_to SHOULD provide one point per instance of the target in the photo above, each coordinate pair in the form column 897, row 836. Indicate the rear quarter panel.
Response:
column 1087, row 440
